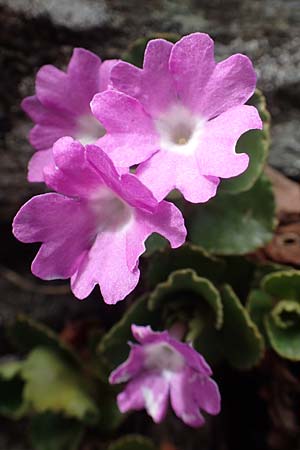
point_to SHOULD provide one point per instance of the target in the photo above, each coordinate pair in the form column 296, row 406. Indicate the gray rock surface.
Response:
column 285, row 154
column 36, row 32
column 75, row 15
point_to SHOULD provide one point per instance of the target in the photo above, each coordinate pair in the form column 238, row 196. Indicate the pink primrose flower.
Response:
column 160, row 367
column 94, row 226
column 61, row 106
column 180, row 116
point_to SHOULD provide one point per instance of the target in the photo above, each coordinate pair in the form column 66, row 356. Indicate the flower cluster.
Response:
column 177, row 121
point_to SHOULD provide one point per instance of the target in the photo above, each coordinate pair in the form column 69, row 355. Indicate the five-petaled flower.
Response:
column 180, row 116
column 94, row 226
column 61, row 106
column 162, row 366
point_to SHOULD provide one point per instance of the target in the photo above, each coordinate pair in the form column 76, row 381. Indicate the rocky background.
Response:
column 37, row 32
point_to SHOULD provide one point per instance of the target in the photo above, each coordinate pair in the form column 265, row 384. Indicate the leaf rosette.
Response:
column 275, row 308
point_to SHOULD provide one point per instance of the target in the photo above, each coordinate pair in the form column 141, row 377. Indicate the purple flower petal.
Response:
column 105, row 74
column 192, row 63
column 38, row 162
column 167, row 221
column 207, row 395
column 148, row 391
column 183, row 402
column 231, row 84
column 51, row 89
column 40, row 114
column 153, row 86
column 216, row 154
column 60, row 253
column 72, row 174
column 42, row 137
column 131, row 398
column 131, row 137
column 70, row 92
column 83, row 80
column 127, row 186
column 106, row 264
column 175, row 170
column 194, row 359
column 130, row 368
column 61, row 106
column 145, row 334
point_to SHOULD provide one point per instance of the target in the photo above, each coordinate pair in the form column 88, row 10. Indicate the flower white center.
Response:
column 163, row 357
column 153, row 402
column 179, row 130
column 89, row 129
column 110, row 211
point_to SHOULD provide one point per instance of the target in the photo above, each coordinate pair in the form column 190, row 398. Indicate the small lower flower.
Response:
column 160, row 367
column 93, row 228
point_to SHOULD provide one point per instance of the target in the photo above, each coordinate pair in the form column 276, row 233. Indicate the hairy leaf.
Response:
column 242, row 342
column 188, row 256
column 133, row 442
column 283, row 284
column 51, row 384
column 192, row 291
column 54, row 432
column 235, row 223
column 12, row 404
column 26, row 334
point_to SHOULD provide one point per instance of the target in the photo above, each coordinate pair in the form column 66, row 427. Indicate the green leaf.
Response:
column 133, row 442
column 51, row 384
column 283, row 285
column 259, row 304
column 191, row 290
column 285, row 341
column 54, row 432
column 256, row 143
column 10, row 368
column 244, row 273
column 206, row 340
column 26, row 334
column 235, row 224
column 286, row 314
column 154, row 243
column 277, row 309
column 113, row 347
column 239, row 273
column 135, row 52
column 242, row 343
column 188, row 256
column 110, row 415
column 265, row 268
column 11, row 389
